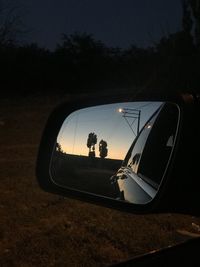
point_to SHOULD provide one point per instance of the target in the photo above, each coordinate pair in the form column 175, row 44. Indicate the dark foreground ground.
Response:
column 40, row 229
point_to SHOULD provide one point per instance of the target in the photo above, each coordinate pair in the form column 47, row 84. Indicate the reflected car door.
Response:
column 141, row 175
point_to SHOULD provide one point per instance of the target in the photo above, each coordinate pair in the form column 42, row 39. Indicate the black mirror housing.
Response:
column 179, row 191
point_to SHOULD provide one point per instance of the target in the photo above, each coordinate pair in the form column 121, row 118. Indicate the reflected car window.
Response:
column 138, row 146
column 160, row 132
column 161, row 139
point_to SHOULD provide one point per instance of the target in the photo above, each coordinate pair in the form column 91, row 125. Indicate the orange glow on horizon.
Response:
column 80, row 150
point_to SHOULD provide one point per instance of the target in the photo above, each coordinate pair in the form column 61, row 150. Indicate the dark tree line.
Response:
column 82, row 63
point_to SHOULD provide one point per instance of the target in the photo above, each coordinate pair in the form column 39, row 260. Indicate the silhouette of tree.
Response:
column 91, row 142
column 195, row 7
column 11, row 25
column 103, row 149
column 80, row 46
column 174, row 60
column 191, row 19
column 84, row 61
column 59, row 148
column 187, row 18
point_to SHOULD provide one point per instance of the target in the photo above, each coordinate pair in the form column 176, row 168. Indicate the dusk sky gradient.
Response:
column 107, row 123
column 115, row 22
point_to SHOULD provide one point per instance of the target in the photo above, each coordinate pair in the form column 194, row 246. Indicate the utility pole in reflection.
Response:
column 133, row 114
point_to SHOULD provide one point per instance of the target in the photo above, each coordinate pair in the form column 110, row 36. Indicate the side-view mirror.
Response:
column 130, row 155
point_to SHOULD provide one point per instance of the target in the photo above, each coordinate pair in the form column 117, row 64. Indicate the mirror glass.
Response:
column 119, row 151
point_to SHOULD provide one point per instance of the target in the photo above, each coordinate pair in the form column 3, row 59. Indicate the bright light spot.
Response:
column 121, row 110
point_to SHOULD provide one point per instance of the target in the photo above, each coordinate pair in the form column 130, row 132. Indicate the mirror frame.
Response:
column 170, row 197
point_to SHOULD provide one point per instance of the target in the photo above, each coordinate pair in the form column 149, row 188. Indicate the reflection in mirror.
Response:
column 118, row 151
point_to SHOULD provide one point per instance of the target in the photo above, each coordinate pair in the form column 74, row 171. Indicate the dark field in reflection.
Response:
column 84, row 173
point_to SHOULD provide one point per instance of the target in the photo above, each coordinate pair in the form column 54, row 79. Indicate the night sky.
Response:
column 115, row 22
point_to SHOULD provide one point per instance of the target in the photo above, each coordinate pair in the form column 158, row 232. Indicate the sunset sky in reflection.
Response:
column 108, row 124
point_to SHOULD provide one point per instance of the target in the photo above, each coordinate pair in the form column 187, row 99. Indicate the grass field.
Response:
column 40, row 229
